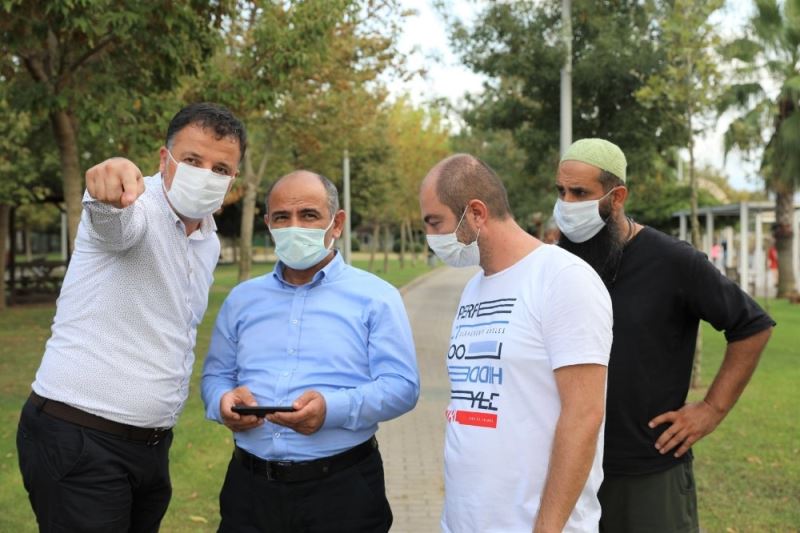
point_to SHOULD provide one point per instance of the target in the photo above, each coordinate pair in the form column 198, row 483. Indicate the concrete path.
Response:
column 412, row 446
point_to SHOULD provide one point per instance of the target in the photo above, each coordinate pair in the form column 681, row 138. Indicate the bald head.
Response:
column 311, row 183
column 463, row 177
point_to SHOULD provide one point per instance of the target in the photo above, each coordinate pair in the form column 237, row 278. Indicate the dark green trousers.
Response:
column 664, row 502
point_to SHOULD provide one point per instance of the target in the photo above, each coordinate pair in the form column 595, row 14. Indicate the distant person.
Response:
column 527, row 364
column 715, row 256
column 661, row 288
column 551, row 233
column 772, row 265
column 94, row 436
column 331, row 341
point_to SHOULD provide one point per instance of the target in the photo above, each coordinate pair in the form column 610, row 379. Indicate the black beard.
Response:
column 603, row 252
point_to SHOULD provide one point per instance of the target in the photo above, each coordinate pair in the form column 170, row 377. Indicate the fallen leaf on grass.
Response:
column 199, row 519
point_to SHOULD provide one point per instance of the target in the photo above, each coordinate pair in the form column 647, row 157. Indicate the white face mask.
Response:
column 196, row 192
column 453, row 252
column 301, row 248
column 579, row 221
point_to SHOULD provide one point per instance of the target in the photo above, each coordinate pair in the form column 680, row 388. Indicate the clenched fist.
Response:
column 115, row 181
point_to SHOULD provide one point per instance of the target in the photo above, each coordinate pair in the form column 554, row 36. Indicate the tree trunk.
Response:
column 26, row 235
column 386, row 244
column 248, row 213
column 693, row 208
column 5, row 219
column 402, row 244
column 783, row 233
column 698, row 356
column 373, row 246
column 67, row 141
column 697, row 243
column 412, row 239
column 252, row 179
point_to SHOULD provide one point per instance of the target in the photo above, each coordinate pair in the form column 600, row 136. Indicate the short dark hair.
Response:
column 609, row 180
column 210, row 116
column 330, row 190
column 464, row 177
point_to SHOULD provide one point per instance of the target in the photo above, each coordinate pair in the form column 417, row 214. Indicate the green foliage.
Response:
column 773, row 60
column 416, row 139
column 615, row 50
column 770, row 51
column 686, row 87
column 267, row 43
column 16, row 176
column 109, row 66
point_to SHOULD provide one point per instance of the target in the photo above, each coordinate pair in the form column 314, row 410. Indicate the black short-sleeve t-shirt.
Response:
column 663, row 288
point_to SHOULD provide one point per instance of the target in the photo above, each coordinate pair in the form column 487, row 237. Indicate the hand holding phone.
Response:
column 261, row 410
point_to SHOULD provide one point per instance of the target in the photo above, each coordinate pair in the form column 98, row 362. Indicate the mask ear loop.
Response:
column 330, row 246
column 605, row 221
column 460, row 220
column 459, row 225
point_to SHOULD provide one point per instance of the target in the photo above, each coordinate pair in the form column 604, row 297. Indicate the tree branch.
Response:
column 36, row 68
column 104, row 41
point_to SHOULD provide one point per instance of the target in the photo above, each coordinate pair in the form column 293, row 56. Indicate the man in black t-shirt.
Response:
column 660, row 289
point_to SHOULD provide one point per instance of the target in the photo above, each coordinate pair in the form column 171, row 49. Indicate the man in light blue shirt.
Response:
column 329, row 340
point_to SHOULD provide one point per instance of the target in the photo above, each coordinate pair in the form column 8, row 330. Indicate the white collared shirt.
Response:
column 122, row 343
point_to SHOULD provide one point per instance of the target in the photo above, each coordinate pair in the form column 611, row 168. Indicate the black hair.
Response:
column 210, row 116
column 609, row 180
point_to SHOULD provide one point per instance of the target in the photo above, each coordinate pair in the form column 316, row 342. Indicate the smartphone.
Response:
column 261, row 410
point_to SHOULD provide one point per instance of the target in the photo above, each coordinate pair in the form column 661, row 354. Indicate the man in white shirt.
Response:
column 94, row 436
column 527, row 364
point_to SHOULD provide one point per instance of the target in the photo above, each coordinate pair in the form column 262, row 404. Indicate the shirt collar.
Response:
column 327, row 273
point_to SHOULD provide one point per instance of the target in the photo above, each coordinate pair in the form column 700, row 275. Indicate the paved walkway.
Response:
column 412, row 445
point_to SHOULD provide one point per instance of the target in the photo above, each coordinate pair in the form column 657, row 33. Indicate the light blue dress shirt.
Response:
column 344, row 334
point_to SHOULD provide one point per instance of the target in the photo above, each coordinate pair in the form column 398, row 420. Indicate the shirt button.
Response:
column 277, row 435
column 294, row 321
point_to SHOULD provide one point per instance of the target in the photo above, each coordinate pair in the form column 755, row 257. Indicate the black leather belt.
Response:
column 295, row 471
column 67, row 413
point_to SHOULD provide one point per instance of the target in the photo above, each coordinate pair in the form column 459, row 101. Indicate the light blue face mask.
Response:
column 301, row 248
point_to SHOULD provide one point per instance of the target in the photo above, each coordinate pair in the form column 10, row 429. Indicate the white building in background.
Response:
column 743, row 230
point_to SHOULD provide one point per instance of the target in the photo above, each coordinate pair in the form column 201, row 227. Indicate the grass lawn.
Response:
column 748, row 470
column 201, row 449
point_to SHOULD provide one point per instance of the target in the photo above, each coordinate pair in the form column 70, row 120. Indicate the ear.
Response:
column 618, row 197
column 163, row 158
column 266, row 220
column 338, row 223
column 478, row 213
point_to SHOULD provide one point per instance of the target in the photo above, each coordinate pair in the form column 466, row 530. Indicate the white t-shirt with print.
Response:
column 511, row 331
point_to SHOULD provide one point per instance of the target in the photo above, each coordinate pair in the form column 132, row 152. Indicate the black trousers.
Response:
column 83, row 480
column 350, row 501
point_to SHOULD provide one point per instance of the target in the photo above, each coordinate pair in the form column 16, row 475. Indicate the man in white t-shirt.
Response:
column 527, row 364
